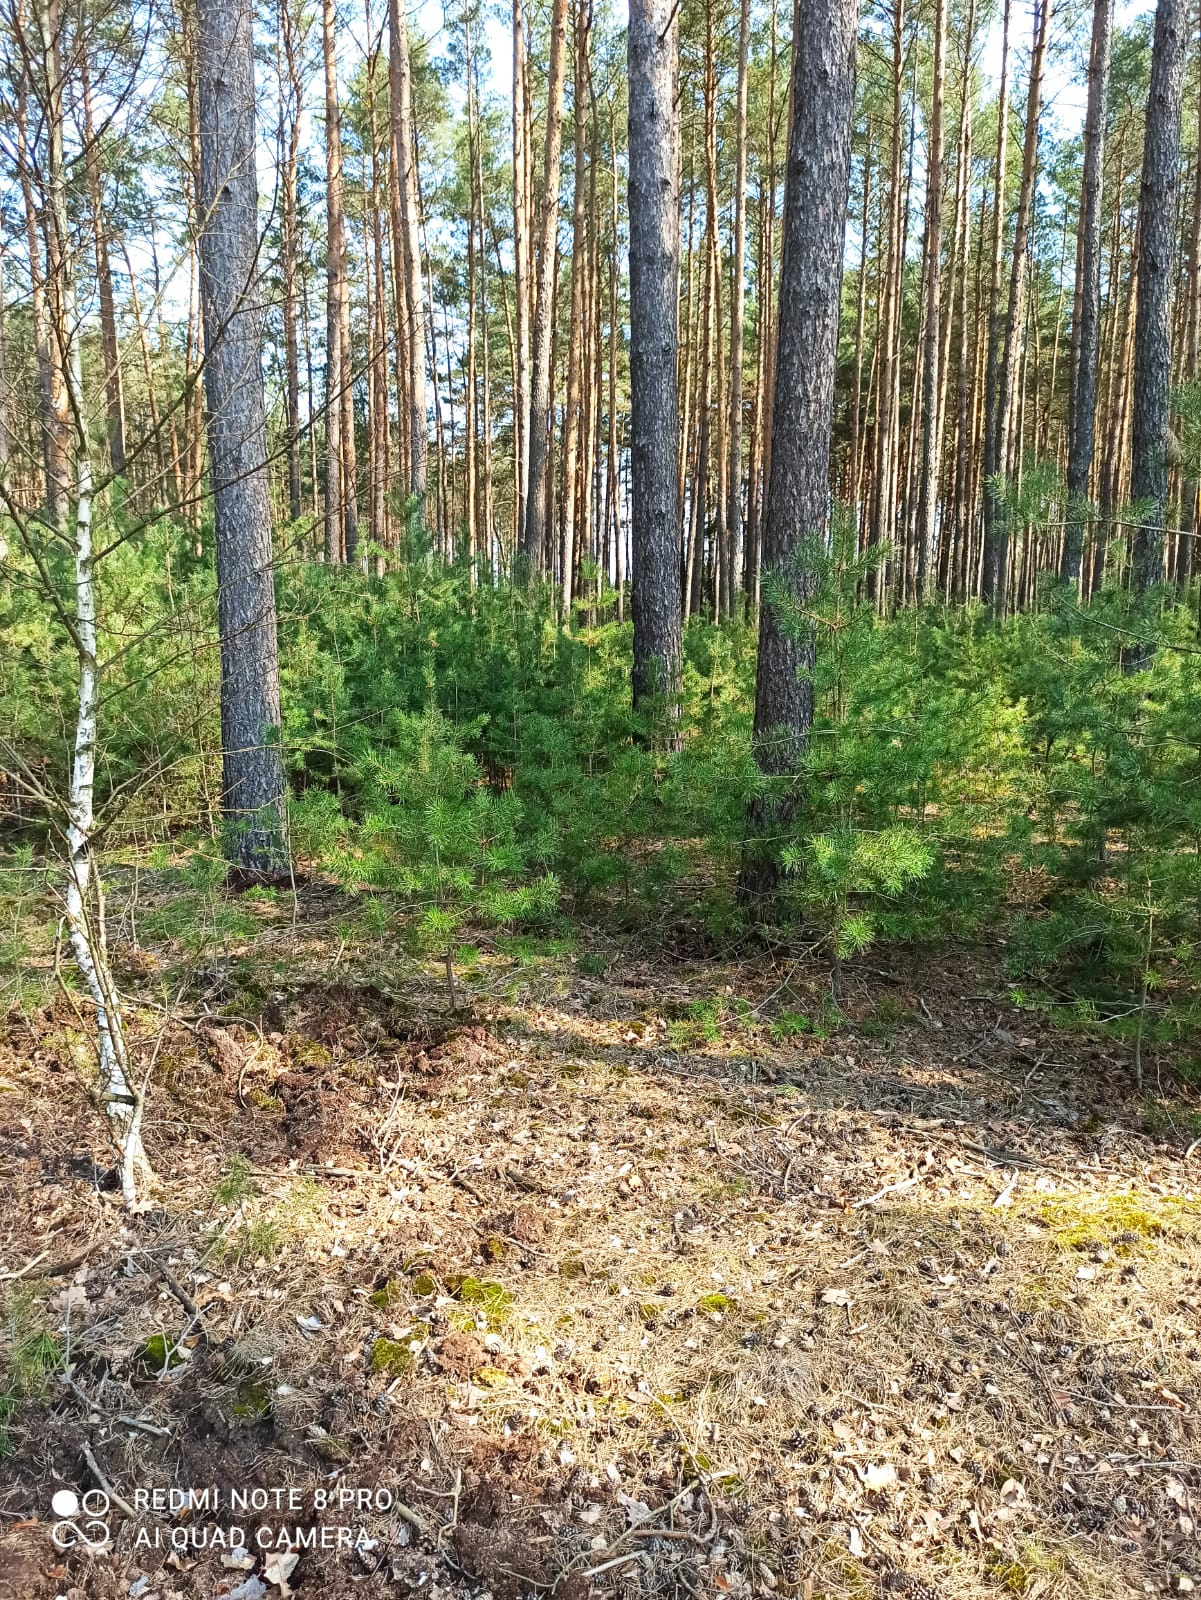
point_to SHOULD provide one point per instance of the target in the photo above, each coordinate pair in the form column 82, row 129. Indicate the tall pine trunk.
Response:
column 1086, row 333
column 252, row 773
column 654, row 137
column 290, row 103
column 732, row 567
column 817, row 187
column 1152, row 332
column 337, row 379
column 533, row 539
column 1007, row 438
column 400, row 80
column 931, row 434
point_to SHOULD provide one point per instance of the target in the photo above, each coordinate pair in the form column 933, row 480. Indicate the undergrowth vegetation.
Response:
column 459, row 761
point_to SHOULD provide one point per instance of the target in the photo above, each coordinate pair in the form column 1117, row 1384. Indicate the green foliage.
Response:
column 459, row 762
column 237, row 1182
column 32, row 1355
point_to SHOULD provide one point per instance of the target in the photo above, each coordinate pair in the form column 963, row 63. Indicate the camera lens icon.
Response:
column 91, row 1530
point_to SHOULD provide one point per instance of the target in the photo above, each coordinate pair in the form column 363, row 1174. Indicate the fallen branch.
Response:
column 891, row 1188
column 103, row 1483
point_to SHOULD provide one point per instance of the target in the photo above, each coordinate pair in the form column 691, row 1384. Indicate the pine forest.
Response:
column 600, row 799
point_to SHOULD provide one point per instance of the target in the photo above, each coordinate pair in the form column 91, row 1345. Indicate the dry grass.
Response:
column 617, row 1293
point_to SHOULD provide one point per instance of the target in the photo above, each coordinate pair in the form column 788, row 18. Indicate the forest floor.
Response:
column 619, row 1279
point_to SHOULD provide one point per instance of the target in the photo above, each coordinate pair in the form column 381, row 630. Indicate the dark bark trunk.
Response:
column 653, row 53
column 401, row 98
column 931, row 434
column 1008, row 392
column 252, row 776
column 1088, row 266
column 534, row 531
column 798, row 497
column 1152, row 330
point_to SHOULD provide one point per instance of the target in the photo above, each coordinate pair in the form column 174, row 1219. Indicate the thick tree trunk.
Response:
column 798, row 497
column 653, row 54
column 252, row 779
column 1152, row 333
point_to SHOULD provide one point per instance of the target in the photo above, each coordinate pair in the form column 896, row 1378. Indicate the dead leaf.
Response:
column 835, row 1297
column 279, row 1569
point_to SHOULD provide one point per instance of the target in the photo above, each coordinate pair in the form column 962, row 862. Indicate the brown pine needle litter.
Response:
column 584, row 1297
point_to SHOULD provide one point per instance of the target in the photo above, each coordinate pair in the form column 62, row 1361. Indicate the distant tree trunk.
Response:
column 377, row 322
column 5, row 415
column 860, row 317
column 1152, row 334
column 884, row 527
column 995, row 335
column 290, row 102
column 110, row 349
column 713, row 389
column 573, row 530
column 765, row 335
column 1188, row 559
column 470, row 397
column 484, row 537
column 1010, row 397
column 50, row 384
column 400, row 79
column 798, row 497
column 193, row 442
column 931, row 431
column 521, row 281
column 534, row 532
column 337, row 378
column 957, row 274
column 1086, row 333
column 997, row 556
column 252, row 778
column 734, row 562
column 612, row 509
column 654, row 137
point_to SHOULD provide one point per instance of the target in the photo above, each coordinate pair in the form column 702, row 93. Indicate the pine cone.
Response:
column 897, row 1582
